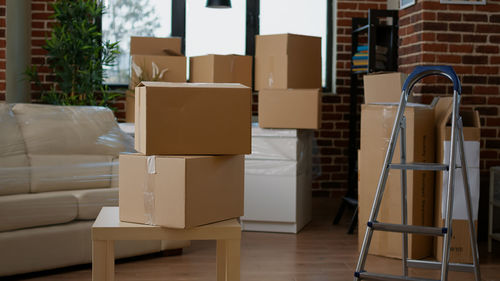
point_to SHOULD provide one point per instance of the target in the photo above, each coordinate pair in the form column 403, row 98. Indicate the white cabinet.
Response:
column 278, row 179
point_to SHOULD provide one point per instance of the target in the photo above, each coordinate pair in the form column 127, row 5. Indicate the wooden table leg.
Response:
column 103, row 260
column 221, row 260
column 233, row 260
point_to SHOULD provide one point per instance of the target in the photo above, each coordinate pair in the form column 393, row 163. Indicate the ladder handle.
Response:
column 421, row 72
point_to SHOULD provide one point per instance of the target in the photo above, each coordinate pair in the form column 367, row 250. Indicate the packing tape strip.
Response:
column 149, row 198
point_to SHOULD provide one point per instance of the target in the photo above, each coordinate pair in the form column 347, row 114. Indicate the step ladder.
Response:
column 457, row 143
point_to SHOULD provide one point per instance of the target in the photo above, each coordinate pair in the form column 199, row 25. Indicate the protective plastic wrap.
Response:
column 278, row 179
column 57, row 163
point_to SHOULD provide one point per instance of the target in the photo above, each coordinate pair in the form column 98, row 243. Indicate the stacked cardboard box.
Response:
column 288, row 78
column 221, row 69
column 191, row 139
column 154, row 59
column 427, row 129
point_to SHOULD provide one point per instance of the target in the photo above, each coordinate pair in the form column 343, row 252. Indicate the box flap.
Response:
column 383, row 87
column 154, row 45
column 443, row 110
column 189, row 85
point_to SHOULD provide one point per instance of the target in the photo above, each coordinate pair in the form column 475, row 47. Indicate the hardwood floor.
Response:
column 320, row 252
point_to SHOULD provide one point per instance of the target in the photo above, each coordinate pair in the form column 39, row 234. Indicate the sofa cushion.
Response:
column 50, row 129
column 69, row 172
column 30, row 210
column 90, row 201
column 11, row 138
column 14, row 174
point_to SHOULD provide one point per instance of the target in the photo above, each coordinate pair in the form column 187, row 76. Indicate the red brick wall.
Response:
column 466, row 37
column 3, row 43
column 333, row 137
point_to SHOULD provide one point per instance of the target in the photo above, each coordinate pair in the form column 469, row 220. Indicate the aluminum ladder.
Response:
column 456, row 139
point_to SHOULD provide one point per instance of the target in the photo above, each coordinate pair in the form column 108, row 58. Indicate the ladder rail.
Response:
column 381, row 183
column 468, row 203
column 449, row 193
column 404, row 206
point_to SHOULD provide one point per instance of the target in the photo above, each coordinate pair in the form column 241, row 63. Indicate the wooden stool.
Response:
column 108, row 228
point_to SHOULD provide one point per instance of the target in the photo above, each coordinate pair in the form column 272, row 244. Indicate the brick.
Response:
column 449, row 37
column 40, row 16
column 492, row 143
column 475, row 59
column 461, row 48
column 433, row 6
column 449, row 58
column 488, row 28
column 346, row 6
column 486, row 70
column 486, row 90
column 473, row 100
column 488, row 110
column 474, row 38
column 488, row 154
column 435, row 26
column 330, row 116
column 449, row 17
column 495, row 60
column 331, row 99
column 490, row 7
column 487, row 49
column 38, row 6
column 495, row 18
column 435, row 47
column 474, row 79
column 428, row 58
column 494, row 80
column 462, row 27
column 475, row 17
column 461, row 69
column 493, row 100
column 485, row 133
column 366, row 7
column 428, row 16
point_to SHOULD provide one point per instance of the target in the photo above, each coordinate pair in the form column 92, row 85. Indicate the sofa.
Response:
column 58, row 168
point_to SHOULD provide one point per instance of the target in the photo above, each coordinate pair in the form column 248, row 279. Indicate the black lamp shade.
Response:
column 218, row 4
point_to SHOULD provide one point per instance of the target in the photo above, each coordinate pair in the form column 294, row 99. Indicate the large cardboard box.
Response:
column 460, row 250
column 221, row 69
column 180, row 191
column 285, row 61
column 290, row 108
column 383, row 87
column 192, row 118
column 376, row 126
column 153, row 59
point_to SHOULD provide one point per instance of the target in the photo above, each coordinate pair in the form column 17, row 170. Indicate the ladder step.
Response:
column 419, row 166
column 462, row 267
column 415, row 229
column 383, row 277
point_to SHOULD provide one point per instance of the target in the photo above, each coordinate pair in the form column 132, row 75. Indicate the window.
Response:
column 125, row 18
column 215, row 31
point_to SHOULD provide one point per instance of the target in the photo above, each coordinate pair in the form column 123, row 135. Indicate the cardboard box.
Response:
column 221, row 69
column 154, row 59
column 383, row 87
column 290, row 109
column 155, row 46
column 284, row 61
column 460, row 250
column 192, row 119
column 376, row 126
column 180, row 191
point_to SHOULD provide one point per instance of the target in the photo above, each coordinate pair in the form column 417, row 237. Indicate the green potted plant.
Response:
column 76, row 55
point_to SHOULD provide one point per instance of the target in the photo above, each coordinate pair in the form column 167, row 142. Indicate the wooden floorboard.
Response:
column 320, row 252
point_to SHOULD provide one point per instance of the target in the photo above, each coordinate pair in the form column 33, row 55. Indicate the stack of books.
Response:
column 360, row 58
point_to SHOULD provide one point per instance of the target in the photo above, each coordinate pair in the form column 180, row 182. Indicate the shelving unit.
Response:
column 380, row 29
column 494, row 203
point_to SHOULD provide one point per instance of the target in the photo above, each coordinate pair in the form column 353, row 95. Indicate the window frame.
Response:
column 252, row 29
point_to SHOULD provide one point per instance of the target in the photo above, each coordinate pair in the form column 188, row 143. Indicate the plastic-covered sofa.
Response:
column 58, row 168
